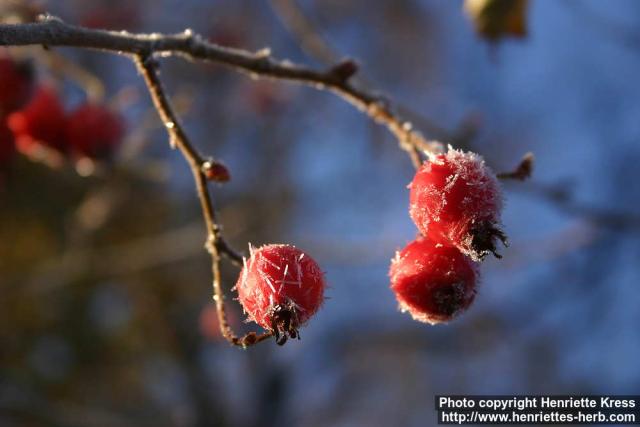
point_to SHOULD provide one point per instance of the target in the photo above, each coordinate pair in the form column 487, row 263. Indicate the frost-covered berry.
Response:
column 40, row 123
column 16, row 83
column 94, row 131
column 280, row 288
column 455, row 200
column 434, row 283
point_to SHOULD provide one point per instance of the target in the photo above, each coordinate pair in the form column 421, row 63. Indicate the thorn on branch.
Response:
column 523, row 171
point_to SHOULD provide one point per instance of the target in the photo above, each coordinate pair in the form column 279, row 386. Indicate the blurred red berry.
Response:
column 280, row 288
column 455, row 200
column 16, row 83
column 40, row 122
column 434, row 283
column 94, row 131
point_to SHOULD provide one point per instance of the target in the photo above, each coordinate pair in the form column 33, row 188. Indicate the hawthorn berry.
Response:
column 40, row 123
column 280, row 288
column 94, row 131
column 434, row 283
column 16, row 83
column 455, row 200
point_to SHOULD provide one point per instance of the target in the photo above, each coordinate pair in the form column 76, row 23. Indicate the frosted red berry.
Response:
column 455, row 200
column 280, row 288
column 94, row 131
column 434, row 283
column 40, row 122
column 16, row 83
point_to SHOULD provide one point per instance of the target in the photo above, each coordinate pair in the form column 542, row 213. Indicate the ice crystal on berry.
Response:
column 455, row 200
column 280, row 288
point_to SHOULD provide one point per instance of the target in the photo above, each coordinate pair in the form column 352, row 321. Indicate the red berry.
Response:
column 280, row 288
column 434, row 283
column 16, row 84
column 94, row 131
column 40, row 122
column 455, row 200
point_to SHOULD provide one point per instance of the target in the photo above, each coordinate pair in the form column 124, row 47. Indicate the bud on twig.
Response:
column 523, row 171
column 345, row 69
column 216, row 171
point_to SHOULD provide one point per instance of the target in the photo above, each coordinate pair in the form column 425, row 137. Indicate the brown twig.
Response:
column 147, row 66
column 51, row 31
column 310, row 39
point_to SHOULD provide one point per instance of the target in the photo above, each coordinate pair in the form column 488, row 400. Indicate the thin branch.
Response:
column 147, row 66
column 310, row 39
column 52, row 31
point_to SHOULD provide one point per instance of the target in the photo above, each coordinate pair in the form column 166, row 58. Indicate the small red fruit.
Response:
column 455, row 200
column 280, row 288
column 16, row 83
column 434, row 283
column 40, row 122
column 94, row 131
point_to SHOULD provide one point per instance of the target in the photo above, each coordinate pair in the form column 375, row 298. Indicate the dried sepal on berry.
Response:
column 434, row 283
column 456, row 200
column 280, row 288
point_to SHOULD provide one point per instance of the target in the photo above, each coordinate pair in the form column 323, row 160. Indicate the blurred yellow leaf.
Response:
column 494, row 19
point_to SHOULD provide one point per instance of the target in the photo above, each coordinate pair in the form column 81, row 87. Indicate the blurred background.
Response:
column 105, row 301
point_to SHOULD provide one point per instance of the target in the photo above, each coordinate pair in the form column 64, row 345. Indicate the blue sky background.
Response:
column 558, row 315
